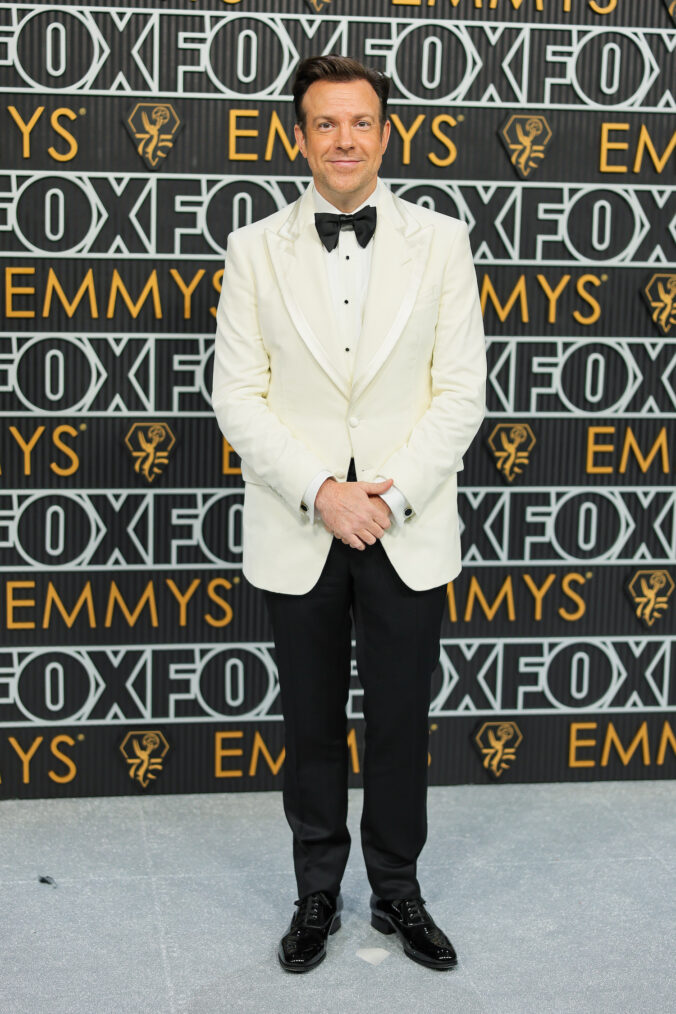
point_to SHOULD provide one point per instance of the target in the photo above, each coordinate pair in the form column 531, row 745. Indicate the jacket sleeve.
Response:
column 241, row 384
column 437, row 442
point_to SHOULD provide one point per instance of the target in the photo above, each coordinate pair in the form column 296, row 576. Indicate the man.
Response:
column 349, row 375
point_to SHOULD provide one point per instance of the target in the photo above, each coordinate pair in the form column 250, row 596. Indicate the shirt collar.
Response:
column 322, row 206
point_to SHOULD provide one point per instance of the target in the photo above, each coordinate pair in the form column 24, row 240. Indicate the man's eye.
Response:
column 364, row 123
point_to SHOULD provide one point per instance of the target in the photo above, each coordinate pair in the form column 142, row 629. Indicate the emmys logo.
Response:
column 525, row 139
column 671, row 7
column 511, row 444
column 317, row 5
column 650, row 591
column 153, row 127
column 144, row 442
column 144, row 752
column 660, row 295
column 497, row 743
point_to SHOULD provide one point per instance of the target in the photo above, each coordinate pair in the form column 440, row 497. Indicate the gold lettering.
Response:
column 184, row 598
column 219, row 582
column 147, row 598
column 568, row 580
column 54, row 286
column 25, row 756
column 593, row 449
column 25, row 128
column 612, row 739
column 65, row 134
column 220, row 752
column 52, row 598
column 608, row 145
column 276, row 129
column 216, row 282
column 588, row 298
column 538, row 593
column 64, row 758
column 452, row 609
column 407, row 135
column 117, row 285
column 226, row 467
column 475, row 593
column 645, row 144
column 667, row 738
column 66, row 450
column 187, row 290
column 13, row 603
column 27, row 447
column 574, row 745
column 12, row 290
column 258, row 748
column 608, row 9
column 352, row 750
column 236, row 131
column 552, row 294
column 519, row 292
column 445, row 140
column 631, row 444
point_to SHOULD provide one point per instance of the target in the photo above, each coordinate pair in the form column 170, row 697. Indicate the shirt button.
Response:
column 347, row 350
column 303, row 507
column 408, row 512
column 353, row 421
column 346, row 301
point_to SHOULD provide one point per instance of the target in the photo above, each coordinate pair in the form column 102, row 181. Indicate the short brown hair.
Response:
column 336, row 68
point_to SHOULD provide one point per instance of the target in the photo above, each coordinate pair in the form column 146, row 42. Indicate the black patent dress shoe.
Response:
column 423, row 941
column 303, row 946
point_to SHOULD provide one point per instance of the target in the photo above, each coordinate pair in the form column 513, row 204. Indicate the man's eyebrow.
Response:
column 357, row 116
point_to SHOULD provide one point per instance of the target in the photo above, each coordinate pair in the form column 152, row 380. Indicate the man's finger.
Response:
column 376, row 488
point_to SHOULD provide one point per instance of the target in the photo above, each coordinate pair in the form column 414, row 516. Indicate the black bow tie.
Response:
column 363, row 222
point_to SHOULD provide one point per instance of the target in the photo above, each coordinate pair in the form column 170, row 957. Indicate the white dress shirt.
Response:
column 348, row 269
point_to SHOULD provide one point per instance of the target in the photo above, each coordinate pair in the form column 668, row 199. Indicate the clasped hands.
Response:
column 354, row 511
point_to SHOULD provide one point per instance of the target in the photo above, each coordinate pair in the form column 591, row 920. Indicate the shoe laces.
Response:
column 308, row 907
column 413, row 910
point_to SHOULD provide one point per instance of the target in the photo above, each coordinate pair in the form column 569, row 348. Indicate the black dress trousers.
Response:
column 397, row 635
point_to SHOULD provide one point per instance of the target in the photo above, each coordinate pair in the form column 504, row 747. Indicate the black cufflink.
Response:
column 408, row 512
column 303, row 507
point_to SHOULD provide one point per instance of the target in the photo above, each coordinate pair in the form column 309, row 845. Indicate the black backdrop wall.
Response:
column 135, row 136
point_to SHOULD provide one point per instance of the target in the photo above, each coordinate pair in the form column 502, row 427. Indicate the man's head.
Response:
column 342, row 127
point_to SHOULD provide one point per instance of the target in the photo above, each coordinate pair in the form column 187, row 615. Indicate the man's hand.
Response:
column 353, row 511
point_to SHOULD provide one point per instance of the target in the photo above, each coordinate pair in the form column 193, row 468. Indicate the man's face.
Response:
column 343, row 140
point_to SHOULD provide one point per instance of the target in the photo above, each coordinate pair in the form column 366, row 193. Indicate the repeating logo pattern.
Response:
column 144, row 753
column 153, row 127
column 660, row 294
column 526, row 138
column 150, row 444
column 497, row 743
column 511, row 444
column 650, row 590
column 566, row 504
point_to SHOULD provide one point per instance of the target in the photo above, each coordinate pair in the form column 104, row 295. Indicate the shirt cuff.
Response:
column 307, row 504
column 399, row 507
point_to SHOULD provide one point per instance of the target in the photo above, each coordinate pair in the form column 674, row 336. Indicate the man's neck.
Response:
column 350, row 202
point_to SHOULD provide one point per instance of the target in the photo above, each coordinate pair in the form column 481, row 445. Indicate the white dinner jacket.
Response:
column 284, row 400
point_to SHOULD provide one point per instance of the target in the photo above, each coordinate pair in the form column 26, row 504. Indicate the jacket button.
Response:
column 303, row 507
column 353, row 421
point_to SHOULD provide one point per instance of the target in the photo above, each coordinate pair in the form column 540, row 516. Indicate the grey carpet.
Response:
column 558, row 898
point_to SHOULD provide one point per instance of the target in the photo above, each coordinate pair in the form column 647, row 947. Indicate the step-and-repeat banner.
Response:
column 134, row 657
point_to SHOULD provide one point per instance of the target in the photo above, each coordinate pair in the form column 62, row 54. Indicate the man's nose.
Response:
column 344, row 139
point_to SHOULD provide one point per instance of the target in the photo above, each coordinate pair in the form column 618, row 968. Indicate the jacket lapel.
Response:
column 400, row 253
column 298, row 262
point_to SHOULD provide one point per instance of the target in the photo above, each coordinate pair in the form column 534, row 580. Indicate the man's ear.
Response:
column 385, row 136
column 300, row 139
